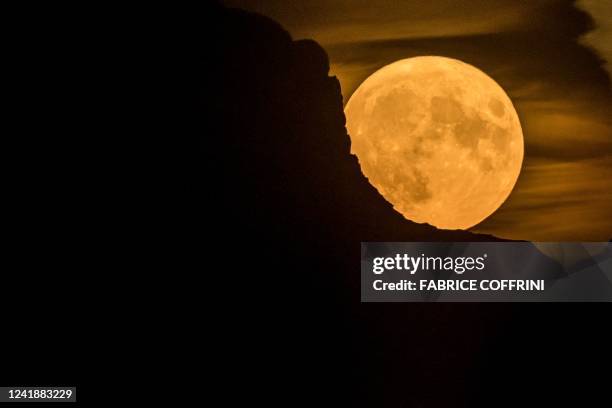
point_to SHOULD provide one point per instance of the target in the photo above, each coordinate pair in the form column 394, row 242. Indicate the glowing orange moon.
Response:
column 438, row 138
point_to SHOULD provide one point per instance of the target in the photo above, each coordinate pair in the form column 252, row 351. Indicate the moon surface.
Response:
column 438, row 138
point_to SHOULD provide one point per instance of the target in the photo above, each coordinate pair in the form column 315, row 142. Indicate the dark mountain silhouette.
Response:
column 283, row 144
column 288, row 207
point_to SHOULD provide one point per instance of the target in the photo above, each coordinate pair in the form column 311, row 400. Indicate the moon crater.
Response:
column 438, row 138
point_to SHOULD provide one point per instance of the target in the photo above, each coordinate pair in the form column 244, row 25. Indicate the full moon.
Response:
column 438, row 138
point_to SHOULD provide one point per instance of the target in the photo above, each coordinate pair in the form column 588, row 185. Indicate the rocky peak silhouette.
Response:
column 281, row 141
column 289, row 201
column 288, row 205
